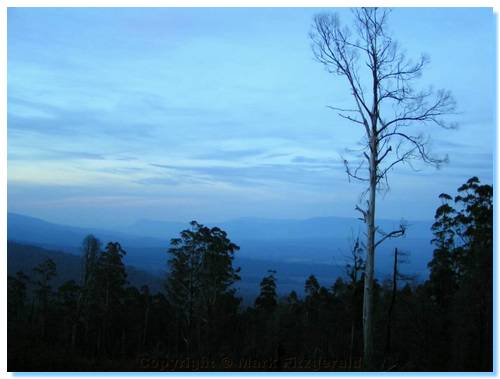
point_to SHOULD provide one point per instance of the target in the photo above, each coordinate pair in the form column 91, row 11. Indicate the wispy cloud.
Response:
column 230, row 155
column 196, row 111
column 317, row 175
column 55, row 155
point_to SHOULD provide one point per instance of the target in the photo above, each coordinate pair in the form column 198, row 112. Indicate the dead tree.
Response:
column 388, row 109
column 354, row 270
column 395, row 273
column 400, row 257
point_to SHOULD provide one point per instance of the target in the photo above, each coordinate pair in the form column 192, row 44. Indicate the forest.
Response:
column 99, row 322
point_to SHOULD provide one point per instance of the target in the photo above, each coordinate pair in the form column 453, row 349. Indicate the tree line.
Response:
column 100, row 323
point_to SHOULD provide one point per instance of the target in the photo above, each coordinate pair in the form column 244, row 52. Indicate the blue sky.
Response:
column 211, row 114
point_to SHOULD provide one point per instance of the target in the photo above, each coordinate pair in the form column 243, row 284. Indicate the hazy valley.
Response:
column 294, row 248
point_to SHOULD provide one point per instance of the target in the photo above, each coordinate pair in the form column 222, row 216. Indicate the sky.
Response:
column 120, row 114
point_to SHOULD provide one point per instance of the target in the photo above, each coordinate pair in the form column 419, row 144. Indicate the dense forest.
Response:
column 99, row 322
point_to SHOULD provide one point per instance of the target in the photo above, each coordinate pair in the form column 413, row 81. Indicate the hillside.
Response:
column 21, row 257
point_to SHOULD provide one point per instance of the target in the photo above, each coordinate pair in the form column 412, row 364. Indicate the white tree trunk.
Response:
column 368, row 338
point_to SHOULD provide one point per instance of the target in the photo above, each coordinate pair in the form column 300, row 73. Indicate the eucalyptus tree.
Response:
column 268, row 297
column 388, row 109
column 201, row 278
column 87, row 298
column 91, row 247
column 461, row 274
column 111, row 278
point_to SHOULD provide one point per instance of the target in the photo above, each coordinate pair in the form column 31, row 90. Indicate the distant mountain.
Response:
column 307, row 246
column 322, row 240
column 22, row 228
column 164, row 230
column 148, row 233
column 266, row 229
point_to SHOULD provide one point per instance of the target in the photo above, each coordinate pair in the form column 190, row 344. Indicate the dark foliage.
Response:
column 97, row 321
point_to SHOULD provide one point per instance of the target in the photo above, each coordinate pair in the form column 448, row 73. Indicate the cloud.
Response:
column 158, row 181
column 460, row 160
column 278, row 155
column 119, row 170
column 54, row 155
column 230, row 155
column 135, row 115
column 444, row 143
column 163, row 166
column 95, row 106
column 317, row 161
column 71, row 122
column 263, row 174
column 126, row 158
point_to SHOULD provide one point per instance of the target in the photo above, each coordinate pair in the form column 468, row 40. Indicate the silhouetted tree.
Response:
column 91, row 248
column 462, row 272
column 268, row 298
column 201, row 279
column 88, row 294
column 355, row 270
column 44, row 272
column 68, row 295
column 399, row 257
column 311, row 287
column 111, row 278
column 16, row 294
column 421, row 327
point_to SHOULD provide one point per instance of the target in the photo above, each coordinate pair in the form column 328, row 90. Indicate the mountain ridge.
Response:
column 323, row 240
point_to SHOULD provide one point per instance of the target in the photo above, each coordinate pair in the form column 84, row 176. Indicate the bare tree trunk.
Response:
column 368, row 338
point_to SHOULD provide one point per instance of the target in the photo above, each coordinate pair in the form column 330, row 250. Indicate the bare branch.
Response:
column 354, row 174
column 363, row 212
column 417, row 109
column 394, row 234
column 351, row 119
column 332, row 47
column 342, row 109
column 384, row 154
column 418, row 144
